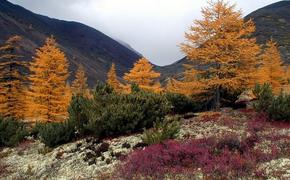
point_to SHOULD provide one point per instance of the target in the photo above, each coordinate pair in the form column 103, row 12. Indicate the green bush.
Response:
column 78, row 117
column 57, row 133
column 12, row 132
column 181, row 104
column 109, row 113
column 34, row 131
column 265, row 97
column 280, row 108
column 164, row 130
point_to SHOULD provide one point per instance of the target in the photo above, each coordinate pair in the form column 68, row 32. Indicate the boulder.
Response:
column 246, row 98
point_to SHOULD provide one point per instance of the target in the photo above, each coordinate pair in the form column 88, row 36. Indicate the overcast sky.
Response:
column 154, row 28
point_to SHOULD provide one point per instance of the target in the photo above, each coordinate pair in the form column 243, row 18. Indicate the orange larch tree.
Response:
column 288, row 74
column 271, row 69
column 48, row 100
column 79, row 85
column 144, row 76
column 220, row 43
column 112, row 79
column 189, row 85
column 68, row 94
column 12, row 79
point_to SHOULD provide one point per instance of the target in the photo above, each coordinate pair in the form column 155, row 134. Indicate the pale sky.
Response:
column 154, row 28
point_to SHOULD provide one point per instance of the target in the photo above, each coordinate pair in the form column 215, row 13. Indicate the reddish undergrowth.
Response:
column 229, row 156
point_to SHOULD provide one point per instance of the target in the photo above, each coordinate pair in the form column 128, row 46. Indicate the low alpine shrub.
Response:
column 57, row 133
column 181, row 104
column 12, row 132
column 280, row 108
column 110, row 113
column 165, row 130
column 265, row 97
column 277, row 107
column 78, row 116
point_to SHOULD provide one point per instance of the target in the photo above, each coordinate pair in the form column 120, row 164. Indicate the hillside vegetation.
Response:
column 227, row 118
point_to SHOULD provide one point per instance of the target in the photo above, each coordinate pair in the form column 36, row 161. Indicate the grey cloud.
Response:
column 155, row 28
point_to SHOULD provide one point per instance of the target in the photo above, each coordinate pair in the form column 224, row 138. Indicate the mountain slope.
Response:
column 81, row 43
column 272, row 21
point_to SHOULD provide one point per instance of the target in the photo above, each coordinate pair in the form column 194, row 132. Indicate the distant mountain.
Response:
column 272, row 21
column 81, row 43
column 174, row 70
column 128, row 46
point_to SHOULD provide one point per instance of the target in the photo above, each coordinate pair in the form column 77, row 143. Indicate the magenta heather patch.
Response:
column 216, row 159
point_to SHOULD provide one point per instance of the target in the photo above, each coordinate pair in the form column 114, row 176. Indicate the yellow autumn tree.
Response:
column 271, row 70
column 12, row 79
column 48, row 98
column 143, row 75
column 220, row 43
column 286, row 87
column 112, row 79
column 68, row 94
column 79, row 85
column 288, row 74
column 190, row 85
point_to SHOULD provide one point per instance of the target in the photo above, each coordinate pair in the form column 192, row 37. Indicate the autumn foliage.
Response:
column 220, row 43
column 144, row 76
column 288, row 74
column 48, row 101
column 112, row 79
column 12, row 80
column 271, row 70
column 189, row 86
column 79, row 85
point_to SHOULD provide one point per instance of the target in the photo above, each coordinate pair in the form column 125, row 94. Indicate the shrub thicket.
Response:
column 12, row 132
column 278, row 108
column 109, row 113
column 53, row 134
column 78, row 116
column 181, row 104
column 265, row 97
column 167, row 129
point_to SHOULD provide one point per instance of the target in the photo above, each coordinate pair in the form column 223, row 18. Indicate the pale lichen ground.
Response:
column 75, row 160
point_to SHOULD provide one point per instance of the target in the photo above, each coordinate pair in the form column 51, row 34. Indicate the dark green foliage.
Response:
column 280, row 108
column 135, row 88
column 12, row 132
column 115, row 119
column 35, row 129
column 102, row 89
column 164, row 130
column 53, row 134
column 181, row 104
column 110, row 113
column 265, row 97
column 77, row 114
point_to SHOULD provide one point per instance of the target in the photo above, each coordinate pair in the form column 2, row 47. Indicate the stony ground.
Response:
column 91, row 159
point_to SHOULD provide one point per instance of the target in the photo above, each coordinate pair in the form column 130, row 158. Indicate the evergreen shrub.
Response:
column 12, row 131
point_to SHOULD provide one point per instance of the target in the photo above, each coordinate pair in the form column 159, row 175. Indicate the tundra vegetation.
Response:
column 37, row 100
